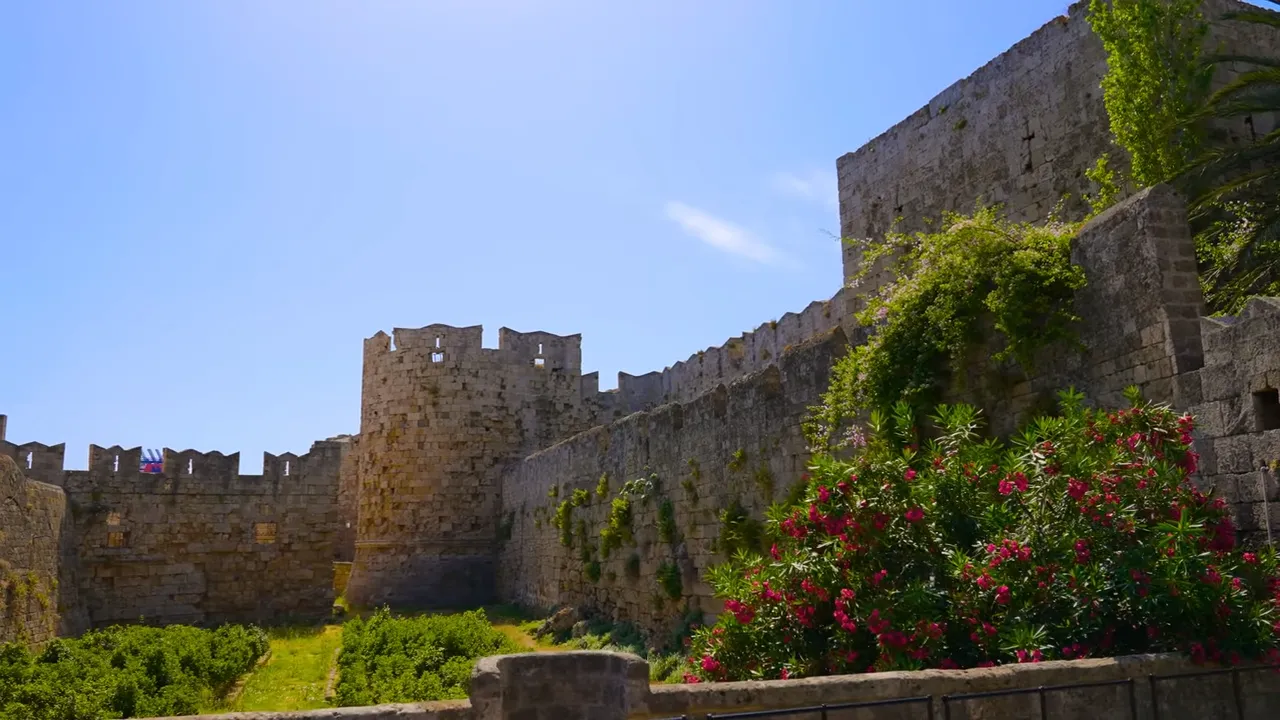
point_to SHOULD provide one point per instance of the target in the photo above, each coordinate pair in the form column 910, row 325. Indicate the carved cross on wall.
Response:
column 1027, row 139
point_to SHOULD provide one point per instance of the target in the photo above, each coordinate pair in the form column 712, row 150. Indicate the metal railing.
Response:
column 1040, row 692
column 946, row 701
column 1153, row 681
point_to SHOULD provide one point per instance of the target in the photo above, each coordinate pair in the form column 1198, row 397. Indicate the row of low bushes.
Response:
column 123, row 672
column 1080, row 537
column 387, row 659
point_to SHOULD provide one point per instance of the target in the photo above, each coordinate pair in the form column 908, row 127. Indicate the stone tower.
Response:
column 441, row 417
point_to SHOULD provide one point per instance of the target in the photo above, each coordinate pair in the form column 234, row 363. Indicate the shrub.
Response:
column 1080, row 537
column 386, row 659
column 669, row 580
column 666, row 521
column 739, row 532
column 124, row 672
column 928, row 321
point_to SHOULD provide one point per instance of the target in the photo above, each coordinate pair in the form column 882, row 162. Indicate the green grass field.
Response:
column 295, row 676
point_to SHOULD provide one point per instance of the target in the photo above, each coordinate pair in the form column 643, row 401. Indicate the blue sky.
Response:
column 208, row 205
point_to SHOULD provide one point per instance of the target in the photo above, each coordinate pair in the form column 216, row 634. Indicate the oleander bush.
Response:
column 386, row 659
column 1080, row 537
column 125, row 672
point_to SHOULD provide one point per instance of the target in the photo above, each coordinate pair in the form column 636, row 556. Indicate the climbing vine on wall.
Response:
column 1156, row 81
column 929, row 318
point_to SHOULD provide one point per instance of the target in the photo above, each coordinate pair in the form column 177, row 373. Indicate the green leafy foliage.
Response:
column 1080, row 537
column 1157, row 96
column 386, row 659
column 617, row 529
column 928, row 320
column 1233, row 187
column 669, row 579
column 739, row 532
column 666, row 521
column 563, row 519
column 1109, row 190
column 602, row 486
column 124, row 672
column 1156, row 81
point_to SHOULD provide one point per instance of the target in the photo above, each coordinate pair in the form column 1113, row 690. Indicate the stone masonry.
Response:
column 197, row 543
column 446, row 495
column 615, row 686
column 1019, row 132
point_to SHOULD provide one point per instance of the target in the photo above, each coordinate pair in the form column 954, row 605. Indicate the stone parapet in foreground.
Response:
column 614, row 686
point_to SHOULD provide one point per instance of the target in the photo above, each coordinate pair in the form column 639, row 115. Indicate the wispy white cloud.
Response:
column 815, row 185
column 721, row 234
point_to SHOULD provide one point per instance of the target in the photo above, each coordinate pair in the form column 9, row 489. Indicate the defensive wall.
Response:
column 740, row 445
column 444, row 497
column 615, row 686
column 441, row 416
column 1019, row 132
column 32, row 516
column 196, row 543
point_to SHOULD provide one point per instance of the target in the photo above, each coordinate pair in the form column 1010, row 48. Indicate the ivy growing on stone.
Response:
column 669, row 580
column 975, row 273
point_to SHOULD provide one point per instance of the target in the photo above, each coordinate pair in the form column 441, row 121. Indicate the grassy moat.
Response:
column 369, row 658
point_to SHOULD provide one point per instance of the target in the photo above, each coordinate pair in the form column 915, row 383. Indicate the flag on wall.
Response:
column 152, row 462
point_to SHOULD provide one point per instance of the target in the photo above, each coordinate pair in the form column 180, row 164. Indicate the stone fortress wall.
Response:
column 198, row 543
column 1019, row 132
column 444, row 496
column 32, row 521
column 1142, row 326
column 441, row 417
column 741, row 443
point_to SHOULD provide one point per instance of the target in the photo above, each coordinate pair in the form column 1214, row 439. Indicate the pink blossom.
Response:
column 909, row 475
column 915, row 514
column 741, row 612
column 824, row 494
column 710, row 664
column 1076, row 489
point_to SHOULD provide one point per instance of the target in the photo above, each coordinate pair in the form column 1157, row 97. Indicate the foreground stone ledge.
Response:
column 590, row 685
column 699, row 699
column 442, row 710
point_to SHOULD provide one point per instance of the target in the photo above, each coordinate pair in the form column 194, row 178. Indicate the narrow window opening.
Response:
column 437, row 342
column 115, row 466
column 113, row 519
column 30, row 459
column 437, row 357
column 286, row 468
column 264, row 533
column 191, row 466
column 1266, row 409
column 117, row 539
column 539, row 348
column 539, row 362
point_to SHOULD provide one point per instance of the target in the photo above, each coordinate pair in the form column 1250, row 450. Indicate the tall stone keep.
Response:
column 441, row 419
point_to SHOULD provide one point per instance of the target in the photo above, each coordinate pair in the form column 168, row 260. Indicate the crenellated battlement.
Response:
column 738, row 357
column 46, row 463
column 37, row 461
column 448, row 346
